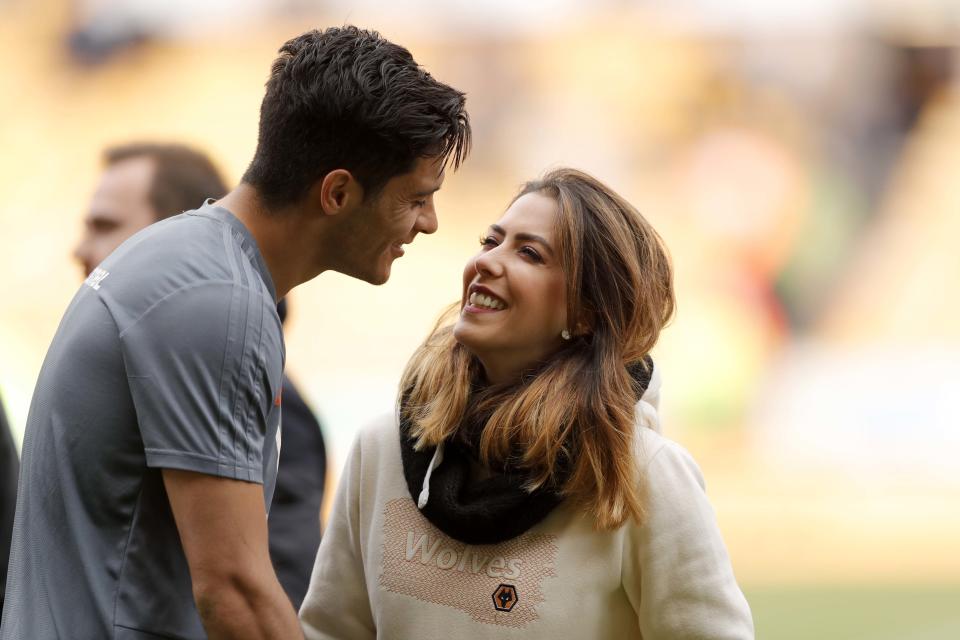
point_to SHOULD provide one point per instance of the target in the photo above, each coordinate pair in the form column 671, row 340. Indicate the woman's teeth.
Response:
column 480, row 300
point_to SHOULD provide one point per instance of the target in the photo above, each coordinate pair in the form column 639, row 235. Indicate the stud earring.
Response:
column 565, row 334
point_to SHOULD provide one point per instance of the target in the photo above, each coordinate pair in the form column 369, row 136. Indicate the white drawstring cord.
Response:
column 434, row 463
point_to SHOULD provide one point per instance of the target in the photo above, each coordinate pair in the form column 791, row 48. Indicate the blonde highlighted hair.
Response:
column 570, row 424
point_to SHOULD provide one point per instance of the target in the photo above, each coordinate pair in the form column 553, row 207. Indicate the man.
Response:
column 141, row 184
column 156, row 412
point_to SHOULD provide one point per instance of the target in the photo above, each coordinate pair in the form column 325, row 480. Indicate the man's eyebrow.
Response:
column 425, row 192
column 524, row 237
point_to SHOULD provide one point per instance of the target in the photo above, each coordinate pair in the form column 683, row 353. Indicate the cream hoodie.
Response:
column 383, row 571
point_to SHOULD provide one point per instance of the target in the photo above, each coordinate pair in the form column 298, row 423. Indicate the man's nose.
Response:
column 427, row 222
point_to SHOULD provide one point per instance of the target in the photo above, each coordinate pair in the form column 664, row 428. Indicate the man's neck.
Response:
column 278, row 234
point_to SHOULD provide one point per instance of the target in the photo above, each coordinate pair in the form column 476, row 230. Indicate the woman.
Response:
column 522, row 489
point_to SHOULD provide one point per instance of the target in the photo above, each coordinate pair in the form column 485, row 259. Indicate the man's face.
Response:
column 374, row 234
column 120, row 207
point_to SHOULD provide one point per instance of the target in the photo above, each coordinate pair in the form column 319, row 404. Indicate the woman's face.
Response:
column 514, row 303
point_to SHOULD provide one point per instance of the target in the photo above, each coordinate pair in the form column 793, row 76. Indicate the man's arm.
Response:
column 223, row 529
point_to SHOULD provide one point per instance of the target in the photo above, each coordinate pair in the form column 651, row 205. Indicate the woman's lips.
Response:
column 486, row 301
column 480, row 302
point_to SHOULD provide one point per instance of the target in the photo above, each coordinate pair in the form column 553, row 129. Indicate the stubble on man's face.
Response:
column 382, row 225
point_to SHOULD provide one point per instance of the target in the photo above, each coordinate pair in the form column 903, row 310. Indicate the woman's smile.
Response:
column 483, row 300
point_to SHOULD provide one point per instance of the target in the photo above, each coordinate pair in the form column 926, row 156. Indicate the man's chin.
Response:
column 379, row 277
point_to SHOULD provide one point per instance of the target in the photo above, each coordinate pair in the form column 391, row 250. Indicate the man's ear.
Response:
column 336, row 192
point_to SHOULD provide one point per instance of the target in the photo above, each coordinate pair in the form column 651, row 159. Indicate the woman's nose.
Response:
column 488, row 263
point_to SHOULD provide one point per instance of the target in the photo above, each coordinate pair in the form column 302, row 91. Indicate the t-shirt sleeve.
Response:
column 677, row 572
column 200, row 367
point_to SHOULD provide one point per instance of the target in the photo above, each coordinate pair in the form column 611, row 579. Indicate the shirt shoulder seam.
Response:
column 179, row 290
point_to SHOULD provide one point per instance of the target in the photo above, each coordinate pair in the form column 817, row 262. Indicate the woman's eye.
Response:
column 488, row 241
column 531, row 253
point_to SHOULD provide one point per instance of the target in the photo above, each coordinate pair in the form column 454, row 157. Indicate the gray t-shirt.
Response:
column 169, row 357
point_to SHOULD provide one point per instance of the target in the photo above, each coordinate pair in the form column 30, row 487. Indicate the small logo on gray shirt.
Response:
column 95, row 278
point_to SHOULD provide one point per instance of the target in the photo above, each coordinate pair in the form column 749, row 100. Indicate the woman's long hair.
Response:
column 570, row 424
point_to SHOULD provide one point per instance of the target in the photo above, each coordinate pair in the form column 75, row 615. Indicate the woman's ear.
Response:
column 585, row 323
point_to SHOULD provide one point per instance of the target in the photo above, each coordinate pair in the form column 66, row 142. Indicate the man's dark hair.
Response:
column 182, row 179
column 346, row 98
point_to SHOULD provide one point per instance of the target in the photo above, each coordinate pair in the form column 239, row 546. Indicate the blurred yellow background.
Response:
column 799, row 159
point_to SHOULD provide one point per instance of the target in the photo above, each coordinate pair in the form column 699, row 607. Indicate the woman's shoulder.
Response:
column 666, row 462
column 380, row 432
column 375, row 451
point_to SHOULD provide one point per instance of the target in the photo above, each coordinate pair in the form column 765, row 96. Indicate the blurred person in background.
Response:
column 151, row 448
column 146, row 182
column 142, row 183
column 523, row 484
column 9, row 470
column 294, row 522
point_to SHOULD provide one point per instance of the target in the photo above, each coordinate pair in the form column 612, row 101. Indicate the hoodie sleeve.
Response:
column 677, row 573
column 337, row 605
